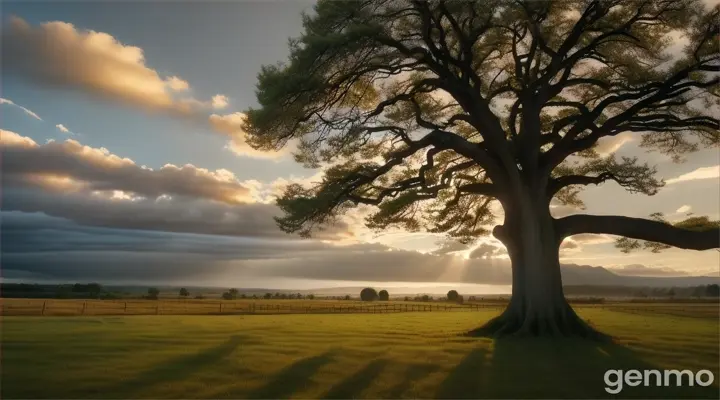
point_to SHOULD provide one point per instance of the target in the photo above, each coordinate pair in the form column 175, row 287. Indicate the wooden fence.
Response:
column 101, row 307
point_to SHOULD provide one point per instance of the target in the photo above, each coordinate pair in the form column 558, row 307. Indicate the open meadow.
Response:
column 399, row 355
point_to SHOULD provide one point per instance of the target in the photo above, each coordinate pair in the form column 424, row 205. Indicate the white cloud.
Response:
column 220, row 101
column 177, row 84
column 62, row 128
column 27, row 111
column 232, row 125
column 92, row 186
column 683, row 209
column 57, row 53
column 700, row 173
column 72, row 166
column 591, row 238
column 611, row 144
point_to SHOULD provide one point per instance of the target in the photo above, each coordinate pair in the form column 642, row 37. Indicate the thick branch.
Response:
column 639, row 228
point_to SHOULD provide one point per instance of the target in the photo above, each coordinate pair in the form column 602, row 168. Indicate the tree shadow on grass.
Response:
column 413, row 373
column 352, row 386
column 291, row 378
column 176, row 369
column 553, row 368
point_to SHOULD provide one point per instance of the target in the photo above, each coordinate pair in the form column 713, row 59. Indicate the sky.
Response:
column 123, row 161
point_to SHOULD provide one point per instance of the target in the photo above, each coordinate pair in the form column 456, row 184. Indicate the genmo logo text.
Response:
column 616, row 379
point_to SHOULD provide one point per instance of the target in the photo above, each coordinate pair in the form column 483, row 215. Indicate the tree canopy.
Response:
column 433, row 111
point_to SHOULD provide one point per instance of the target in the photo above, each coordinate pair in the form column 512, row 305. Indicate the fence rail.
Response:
column 102, row 307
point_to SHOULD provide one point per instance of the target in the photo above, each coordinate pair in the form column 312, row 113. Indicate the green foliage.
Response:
column 712, row 290
column 184, row 292
column 452, row 295
column 368, row 294
column 432, row 111
column 383, row 295
column 153, row 293
column 698, row 224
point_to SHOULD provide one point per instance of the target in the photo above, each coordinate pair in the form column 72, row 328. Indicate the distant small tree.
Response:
column 407, row 298
column 712, row 290
column 233, row 293
column 347, row 297
column 254, row 296
column 184, row 292
column 368, row 294
column 384, row 295
column 426, row 297
column 267, row 296
column 452, row 295
column 671, row 292
column 277, row 295
column 153, row 293
column 243, row 296
column 460, row 299
column 227, row 296
column 311, row 297
column 471, row 298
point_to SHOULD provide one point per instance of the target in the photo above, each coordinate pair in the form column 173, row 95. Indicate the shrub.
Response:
column 311, row 297
column 452, row 295
column 227, row 296
column 407, row 298
column 368, row 294
column 153, row 293
column 384, row 295
column 712, row 290
column 347, row 297
column 267, row 296
column 184, row 292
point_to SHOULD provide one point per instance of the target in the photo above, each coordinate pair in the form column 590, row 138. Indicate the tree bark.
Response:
column 538, row 306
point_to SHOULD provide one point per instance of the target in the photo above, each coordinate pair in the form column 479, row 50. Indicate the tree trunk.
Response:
column 538, row 306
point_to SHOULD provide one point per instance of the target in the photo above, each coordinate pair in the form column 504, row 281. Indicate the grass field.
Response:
column 405, row 355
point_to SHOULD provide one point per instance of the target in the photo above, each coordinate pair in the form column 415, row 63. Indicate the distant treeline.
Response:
column 712, row 290
column 98, row 291
column 67, row 291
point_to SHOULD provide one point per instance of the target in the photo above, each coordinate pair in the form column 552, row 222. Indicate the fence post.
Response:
column 125, row 309
column 221, row 307
column 157, row 309
column 43, row 309
column 84, row 305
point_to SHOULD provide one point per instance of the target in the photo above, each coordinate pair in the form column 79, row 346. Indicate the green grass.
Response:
column 407, row 355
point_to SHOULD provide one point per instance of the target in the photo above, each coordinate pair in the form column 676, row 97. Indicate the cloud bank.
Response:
column 94, row 187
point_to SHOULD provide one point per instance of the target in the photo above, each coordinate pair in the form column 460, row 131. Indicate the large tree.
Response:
column 435, row 111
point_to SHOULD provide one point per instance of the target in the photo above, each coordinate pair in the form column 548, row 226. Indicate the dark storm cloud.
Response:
column 39, row 245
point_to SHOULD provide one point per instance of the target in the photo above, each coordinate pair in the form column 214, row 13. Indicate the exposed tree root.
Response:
column 513, row 324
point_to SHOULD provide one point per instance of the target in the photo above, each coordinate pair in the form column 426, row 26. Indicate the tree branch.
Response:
column 639, row 228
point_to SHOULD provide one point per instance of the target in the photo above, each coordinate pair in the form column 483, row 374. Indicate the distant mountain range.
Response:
column 599, row 276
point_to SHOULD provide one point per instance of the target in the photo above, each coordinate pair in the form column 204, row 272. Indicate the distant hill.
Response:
column 599, row 276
